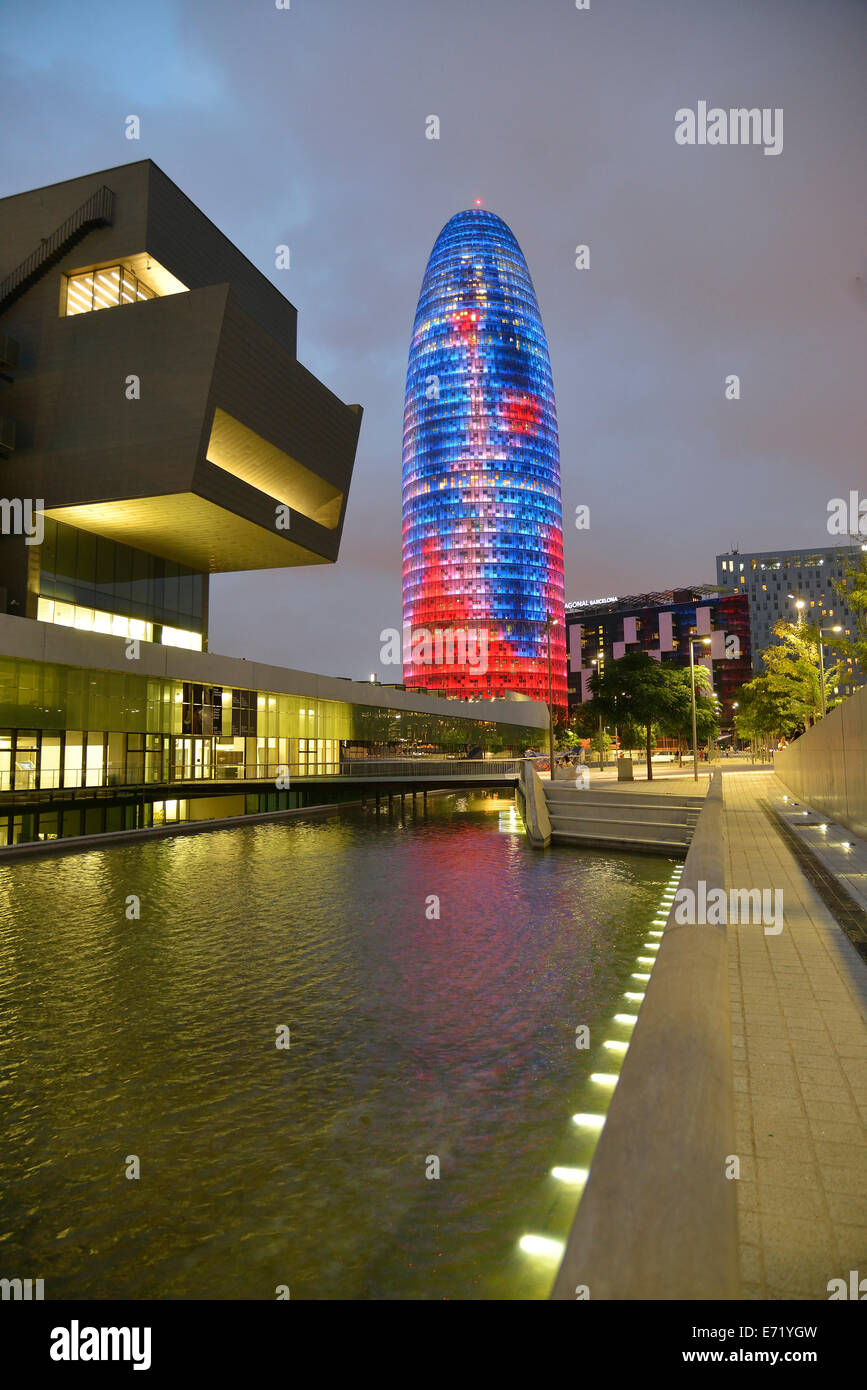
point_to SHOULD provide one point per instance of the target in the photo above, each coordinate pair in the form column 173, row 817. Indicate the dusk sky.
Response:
column 306, row 126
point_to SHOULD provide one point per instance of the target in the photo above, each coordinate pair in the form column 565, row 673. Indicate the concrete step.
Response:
column 561, row 792
column 588, row 811
column 639, row 830
column 677, row 848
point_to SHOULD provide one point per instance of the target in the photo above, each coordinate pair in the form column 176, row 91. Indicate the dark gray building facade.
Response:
column 172, row 438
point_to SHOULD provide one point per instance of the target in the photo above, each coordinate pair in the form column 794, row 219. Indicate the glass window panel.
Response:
column 122, row 567
column 79, row 294
column 48, row 550
column 48, row 825
column 104, row 584
column 67, row 539
column 106, row 288
column 94, row 761
column 85, row 563
column 49, row 769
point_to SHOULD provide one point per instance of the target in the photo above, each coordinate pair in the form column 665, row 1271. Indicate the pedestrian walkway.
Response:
column 799, row 1041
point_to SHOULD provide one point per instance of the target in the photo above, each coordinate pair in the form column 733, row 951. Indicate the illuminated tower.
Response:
column 482, row 521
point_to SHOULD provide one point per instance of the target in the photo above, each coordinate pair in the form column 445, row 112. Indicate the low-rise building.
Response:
column 660, row 623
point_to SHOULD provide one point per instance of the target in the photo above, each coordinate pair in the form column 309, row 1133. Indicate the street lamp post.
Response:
column 599, row 663
column 838, row 628
column 800, row 604
column 692, row 643
column 549, row 623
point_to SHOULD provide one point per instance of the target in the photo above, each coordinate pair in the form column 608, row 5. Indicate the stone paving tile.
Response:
column 799, row 1029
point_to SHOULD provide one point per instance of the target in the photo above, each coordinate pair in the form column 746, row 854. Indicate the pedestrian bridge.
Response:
column 432, row 772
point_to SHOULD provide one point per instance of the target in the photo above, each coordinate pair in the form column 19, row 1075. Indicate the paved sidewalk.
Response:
column 672, row 781
column 799, row 1038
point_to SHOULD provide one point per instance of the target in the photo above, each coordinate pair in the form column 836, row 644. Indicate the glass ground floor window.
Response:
column 170, row 812
column 44, row 760
column 317, row 755
column 103, row 816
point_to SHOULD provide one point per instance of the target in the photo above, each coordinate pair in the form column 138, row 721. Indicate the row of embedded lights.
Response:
column 544, row 1246
column 844, row 844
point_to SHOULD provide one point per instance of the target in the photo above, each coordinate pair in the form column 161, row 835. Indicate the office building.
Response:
column 775, row 581
column 482, row 523
column 661, row 623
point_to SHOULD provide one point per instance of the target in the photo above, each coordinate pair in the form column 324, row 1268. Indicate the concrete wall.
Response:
column 534, row 807
column 827, row 765
column 658, row 1217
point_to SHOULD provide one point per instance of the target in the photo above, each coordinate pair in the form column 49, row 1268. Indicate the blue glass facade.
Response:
column 482, row 520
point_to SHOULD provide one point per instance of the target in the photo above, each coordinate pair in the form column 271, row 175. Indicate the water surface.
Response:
column 413, row 1037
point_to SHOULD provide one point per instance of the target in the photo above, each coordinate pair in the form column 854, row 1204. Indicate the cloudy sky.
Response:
column 306, row 126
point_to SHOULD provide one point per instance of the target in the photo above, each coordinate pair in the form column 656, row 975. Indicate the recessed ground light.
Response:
column 637, row 975
column 626, row 1018
column 542, row 1245
column 589, row 1121
column 630, row 994
column 614, row 1046
column 576, row 1177
column 604, row 1078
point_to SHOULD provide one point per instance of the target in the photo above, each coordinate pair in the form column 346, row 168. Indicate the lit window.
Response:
column 104, row 289
column 51, row 610
column 180, row 637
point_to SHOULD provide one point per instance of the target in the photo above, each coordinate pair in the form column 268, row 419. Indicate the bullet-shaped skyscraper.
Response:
column 482, row 519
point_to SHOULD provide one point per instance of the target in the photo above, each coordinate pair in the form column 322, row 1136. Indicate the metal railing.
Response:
column 98, row 210
column 109, row 776
column 432, row 767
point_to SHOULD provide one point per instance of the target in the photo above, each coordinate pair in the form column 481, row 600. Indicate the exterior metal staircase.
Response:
column 98, row 211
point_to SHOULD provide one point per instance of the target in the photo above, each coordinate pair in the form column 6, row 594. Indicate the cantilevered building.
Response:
column 174, row 437
column 156, row 427
column 482, row 522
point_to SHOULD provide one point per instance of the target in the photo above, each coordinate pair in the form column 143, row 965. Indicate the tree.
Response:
column 676, row 722
column 632, row 691
column 787, row 698
column 761, row 715
column 584, row 723
column 852, row 589
column 606, row 744
column 792, row 673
